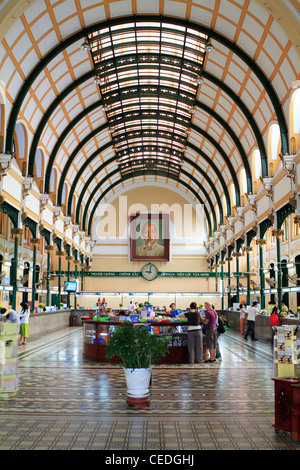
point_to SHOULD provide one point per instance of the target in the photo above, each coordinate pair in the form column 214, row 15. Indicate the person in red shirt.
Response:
column 274, row 321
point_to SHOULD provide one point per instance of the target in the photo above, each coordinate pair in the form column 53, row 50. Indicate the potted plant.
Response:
column 138, row 349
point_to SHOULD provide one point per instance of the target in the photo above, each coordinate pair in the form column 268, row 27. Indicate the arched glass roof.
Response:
column 148, row 74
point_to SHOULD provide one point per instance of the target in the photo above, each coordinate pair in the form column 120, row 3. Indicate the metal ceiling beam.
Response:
column 188, row 175
column 183, row 183
column 125, row 20
column 199, row 104
column 111, row 160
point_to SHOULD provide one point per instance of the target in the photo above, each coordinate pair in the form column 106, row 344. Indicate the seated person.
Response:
column 173, row 310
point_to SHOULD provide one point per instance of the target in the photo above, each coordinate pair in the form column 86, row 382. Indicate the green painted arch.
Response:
column 70, row 159
column 142, row 173
column 211, row 184
column 73, row 154
column 199, row 104
column 159, row 172
column 111, row 160
column 185, row 23
column 99, row 129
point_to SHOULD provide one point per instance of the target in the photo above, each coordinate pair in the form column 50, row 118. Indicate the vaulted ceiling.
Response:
column 116, row 93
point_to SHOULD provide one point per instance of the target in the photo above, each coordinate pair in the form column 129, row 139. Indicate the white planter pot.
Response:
column 138, row 381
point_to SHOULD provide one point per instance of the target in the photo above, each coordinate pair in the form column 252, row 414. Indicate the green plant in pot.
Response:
column 138, row 349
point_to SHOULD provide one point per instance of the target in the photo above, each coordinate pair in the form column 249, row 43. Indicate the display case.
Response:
column 97, row 333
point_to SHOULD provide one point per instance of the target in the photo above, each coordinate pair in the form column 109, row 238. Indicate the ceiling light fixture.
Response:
column 209, row 47
column 97, row 80
column 199, row 80
column 85, row 46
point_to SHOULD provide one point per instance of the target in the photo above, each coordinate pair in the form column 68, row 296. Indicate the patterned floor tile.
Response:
column 67, row 403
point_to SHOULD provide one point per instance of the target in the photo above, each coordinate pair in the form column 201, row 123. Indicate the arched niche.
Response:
column 295, row 118
column 21, row 146
column 274, row 146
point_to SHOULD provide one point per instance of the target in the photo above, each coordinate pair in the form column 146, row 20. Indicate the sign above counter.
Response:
column 138, row 274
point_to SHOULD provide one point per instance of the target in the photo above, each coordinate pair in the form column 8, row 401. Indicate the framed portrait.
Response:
column 149, row 237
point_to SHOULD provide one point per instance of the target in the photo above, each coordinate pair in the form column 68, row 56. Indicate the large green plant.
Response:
column 136, row 346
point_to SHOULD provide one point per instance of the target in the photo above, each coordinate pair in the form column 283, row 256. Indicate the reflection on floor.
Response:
column 66, row 402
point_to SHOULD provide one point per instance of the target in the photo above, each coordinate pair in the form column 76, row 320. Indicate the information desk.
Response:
column 97, row 333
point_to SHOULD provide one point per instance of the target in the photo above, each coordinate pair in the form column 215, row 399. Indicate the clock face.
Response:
column 149, row 272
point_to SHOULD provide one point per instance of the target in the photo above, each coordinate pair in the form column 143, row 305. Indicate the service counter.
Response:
column 97, row 333
column 263, row 330
column 44, row 323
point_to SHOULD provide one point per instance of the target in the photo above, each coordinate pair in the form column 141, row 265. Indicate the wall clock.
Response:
column 149, row 272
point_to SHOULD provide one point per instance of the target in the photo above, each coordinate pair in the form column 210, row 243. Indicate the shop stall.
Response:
column 96, row 334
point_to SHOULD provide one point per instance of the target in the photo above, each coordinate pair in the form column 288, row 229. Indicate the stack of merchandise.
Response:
column 8, row 357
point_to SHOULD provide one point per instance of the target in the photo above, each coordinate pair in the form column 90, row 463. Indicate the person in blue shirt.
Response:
column 174, row 311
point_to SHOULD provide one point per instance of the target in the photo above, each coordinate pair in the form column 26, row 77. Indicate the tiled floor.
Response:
column 65, row 402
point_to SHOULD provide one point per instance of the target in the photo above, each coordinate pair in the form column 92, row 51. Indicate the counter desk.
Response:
column 263, row 330
column 97, row 333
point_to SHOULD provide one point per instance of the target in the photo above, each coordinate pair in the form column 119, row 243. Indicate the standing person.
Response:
column 274, row 321
column 210, row 321
column 243, row 312
column 12, row 316
column 195, row 339
column 252, row 311
column 24, row 327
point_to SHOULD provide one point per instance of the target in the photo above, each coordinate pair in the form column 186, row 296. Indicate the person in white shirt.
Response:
column 24, row 327
column 252, row 311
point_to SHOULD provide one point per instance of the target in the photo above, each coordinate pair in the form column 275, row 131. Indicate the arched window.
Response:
column 39, row 164
column 53, row 181
column 256, row 164
column 2, row 123
column 243, row 181
column 295, row 115
column 274, row 141
column 274, row 146
column 232, row 195
column 64, row 196
column 20, row 141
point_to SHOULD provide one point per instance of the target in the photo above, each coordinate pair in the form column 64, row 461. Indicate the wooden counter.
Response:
column 96, row 334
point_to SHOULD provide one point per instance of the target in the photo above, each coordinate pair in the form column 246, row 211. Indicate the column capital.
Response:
column 277, row 232
column 16, row 231
column 60, row 253
column 260, row 242
column 35, row 241
column 48, row 247
column 247, row 249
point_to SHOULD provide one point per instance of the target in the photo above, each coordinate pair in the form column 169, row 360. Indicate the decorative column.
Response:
column 278, row 233
column 16, row 232
column 59, row 254
column 48, row 249
column 68, row 258
column 247, row 250
column 76, row 262
column 260, row 243
column 82, row 265
column 237, row 256
column 34, row 241
column 228, row 259
column 222, row 280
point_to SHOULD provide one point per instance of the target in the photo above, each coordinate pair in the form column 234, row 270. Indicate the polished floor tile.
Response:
column 67, row 403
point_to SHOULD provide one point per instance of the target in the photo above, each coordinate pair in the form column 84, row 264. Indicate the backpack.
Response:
column 221, row 328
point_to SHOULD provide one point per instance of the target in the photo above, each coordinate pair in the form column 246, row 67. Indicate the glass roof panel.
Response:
column 148, row 81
